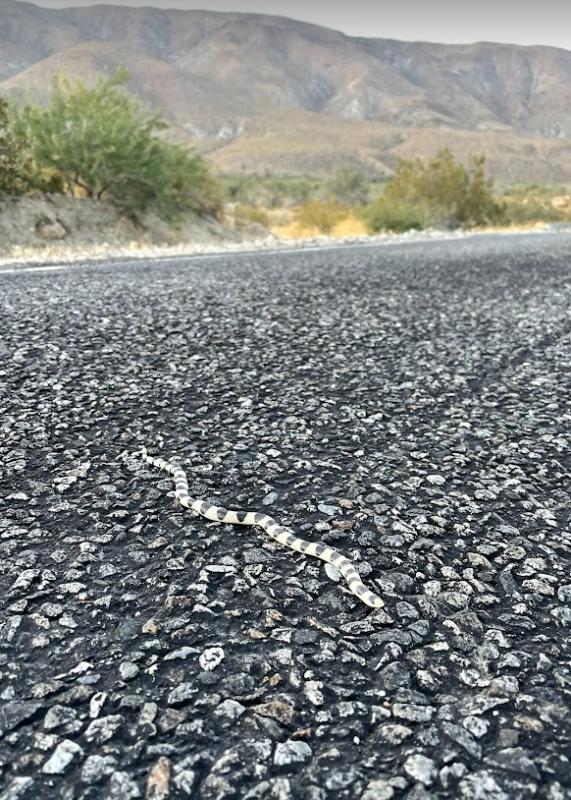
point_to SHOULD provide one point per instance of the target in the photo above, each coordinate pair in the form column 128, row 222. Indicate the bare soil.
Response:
column 54, row 221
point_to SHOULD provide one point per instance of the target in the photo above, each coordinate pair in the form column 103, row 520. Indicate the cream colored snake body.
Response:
column 274, row 530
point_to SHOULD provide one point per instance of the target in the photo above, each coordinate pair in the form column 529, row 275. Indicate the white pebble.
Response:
column 291, row 752
column 211, row 658
column 62, row 757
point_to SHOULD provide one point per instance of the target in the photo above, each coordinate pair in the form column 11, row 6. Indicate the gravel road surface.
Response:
column 408, row 405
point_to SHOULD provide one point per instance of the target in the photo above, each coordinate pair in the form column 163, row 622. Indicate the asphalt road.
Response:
column 408, row 405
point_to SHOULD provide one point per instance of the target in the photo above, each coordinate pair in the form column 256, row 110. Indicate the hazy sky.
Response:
column 515, row 21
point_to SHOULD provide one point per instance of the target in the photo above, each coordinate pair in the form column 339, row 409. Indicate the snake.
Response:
column 273, row 529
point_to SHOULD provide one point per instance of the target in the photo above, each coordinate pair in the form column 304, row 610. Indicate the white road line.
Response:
column 129, row 261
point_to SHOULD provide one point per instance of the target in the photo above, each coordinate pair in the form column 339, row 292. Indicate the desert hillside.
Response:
column 267, row 93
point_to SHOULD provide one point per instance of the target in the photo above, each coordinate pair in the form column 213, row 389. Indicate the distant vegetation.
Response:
column 323, row 215
column 536, row 203
column 270, row 191
column 439, row 193
column 348, row 186
column 101, row 143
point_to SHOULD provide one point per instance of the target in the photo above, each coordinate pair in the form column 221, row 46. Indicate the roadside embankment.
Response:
column 55, row 226
column 60, row 229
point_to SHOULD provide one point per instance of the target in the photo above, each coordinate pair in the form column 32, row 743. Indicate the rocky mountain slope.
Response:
column 261, row 92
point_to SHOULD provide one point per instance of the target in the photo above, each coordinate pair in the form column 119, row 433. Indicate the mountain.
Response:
column 259, row 92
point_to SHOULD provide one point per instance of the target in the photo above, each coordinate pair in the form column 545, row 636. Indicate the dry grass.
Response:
column 350, row 226
column 284, row 226
column 562, row 203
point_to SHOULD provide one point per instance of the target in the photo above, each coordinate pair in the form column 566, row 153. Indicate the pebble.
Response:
column 96, row 767
column 57, row 716
column 180, row 653
column 462, row 737
column 413, row 713
column 211, row 658
column 332, row 572
column 18, row 788
column 276, row 709
column 477, row 726
column 514, row 759
column 128, row 670
column 313, row 692
column 96, row 703
column 123, row 787
column 378, row 790
column 420, row 768
column 291, row 752
column 62, row 757
column 13, row 714
column 181, row 694
column 481, row 786
column 394, row 676
column 330, row 511
column 158, row 782
column 230, row 709
column 393, row 732
column 104, row 728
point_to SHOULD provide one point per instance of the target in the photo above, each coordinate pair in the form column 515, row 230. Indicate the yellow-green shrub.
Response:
column 250, row 215
column 321, row 214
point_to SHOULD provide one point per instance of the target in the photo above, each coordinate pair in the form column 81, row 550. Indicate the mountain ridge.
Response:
column 222, row 77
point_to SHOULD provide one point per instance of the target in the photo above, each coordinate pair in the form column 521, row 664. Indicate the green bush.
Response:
column 103, row 144
column 480, row 207
column 14, row 156
column 440, row 192
column 270, row 191
column 398, row 217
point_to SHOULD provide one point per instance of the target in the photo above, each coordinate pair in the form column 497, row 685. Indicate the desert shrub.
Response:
column 320, row 214
column 534, row 203
column 439, row 192
column 250, row 215
column 480, row 206
column 14, row 155
column 103, row 144
column 520, row 211
column 349, row 187
column 395, row 216
column 270, row 191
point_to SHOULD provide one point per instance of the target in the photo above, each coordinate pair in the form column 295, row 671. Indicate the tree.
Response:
column 13, row 155
column 105, row 145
